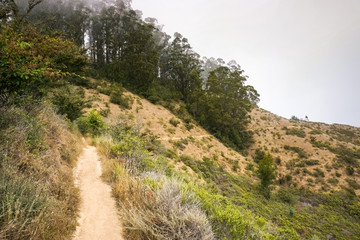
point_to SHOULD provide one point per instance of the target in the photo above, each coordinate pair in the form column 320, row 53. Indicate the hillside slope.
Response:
column 147, row 151
column 318, row 156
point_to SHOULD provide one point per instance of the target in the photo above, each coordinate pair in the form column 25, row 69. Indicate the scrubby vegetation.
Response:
column 38, row 199
column 162, row 193
column 235, row 208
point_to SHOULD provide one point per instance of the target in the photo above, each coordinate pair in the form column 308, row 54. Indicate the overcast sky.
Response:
column 303, row 56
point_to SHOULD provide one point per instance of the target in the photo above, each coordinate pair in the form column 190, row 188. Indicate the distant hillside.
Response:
column 316, row 155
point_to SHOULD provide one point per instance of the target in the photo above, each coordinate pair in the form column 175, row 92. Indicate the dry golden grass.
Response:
column 38, row 199
column 270, row 133
column 156, row 120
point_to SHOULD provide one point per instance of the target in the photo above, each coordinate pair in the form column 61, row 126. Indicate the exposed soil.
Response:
column 98, row 213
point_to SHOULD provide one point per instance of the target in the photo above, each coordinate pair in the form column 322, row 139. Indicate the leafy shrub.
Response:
column 312, row 162
column 121, row 99
column 181, row 144
column 285, row 195
column 174, row 122
column 295, row 131
column 333, row 181
column 318, row 173
column 349, row 170
column 30, row 63
column 189, row 126
column 69, row 101
column 315, row 132
column 301, row 152
column 92, row 124
column 266, row 172
column 259, row 154
column 352, row 183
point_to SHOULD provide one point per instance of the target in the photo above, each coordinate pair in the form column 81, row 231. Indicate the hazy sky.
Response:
column 303, row 56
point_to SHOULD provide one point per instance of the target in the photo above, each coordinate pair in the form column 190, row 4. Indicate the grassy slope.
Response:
column 38, row 199
column 272, row 133
column 224, row 180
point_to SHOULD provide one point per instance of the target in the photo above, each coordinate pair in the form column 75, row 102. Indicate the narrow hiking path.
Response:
column 98, row 214
column 179, row 138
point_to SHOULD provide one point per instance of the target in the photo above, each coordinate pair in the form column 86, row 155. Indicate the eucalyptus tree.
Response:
column 180, row 67
column 224, row 105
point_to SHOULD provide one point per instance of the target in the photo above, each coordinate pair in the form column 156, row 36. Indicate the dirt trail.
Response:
column 98, row 214
column 179, row 138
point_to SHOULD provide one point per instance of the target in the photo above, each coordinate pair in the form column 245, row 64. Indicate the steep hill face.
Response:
column 312, row 155
column 318, row 156
column 148, row 153
column 175, row 134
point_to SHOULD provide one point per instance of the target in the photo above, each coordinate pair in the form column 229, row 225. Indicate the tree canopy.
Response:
column 137, row 54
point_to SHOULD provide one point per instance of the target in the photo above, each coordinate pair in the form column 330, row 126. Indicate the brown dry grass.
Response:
column 270, row 133
column 156, row 120
column 38, row 199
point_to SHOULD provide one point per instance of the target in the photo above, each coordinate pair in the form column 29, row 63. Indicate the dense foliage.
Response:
column 31, row 63
column 137, row 54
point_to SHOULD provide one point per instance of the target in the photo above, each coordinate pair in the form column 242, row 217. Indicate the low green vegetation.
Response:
column 295, row 131
column 139, row 168
column 38, row 199
column 301, row 152
column 344, row 154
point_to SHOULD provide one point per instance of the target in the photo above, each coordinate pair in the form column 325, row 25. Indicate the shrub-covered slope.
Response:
column 38, row 199
column 150, row 153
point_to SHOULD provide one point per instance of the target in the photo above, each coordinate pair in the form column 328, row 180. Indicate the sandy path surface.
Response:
column 98, row 214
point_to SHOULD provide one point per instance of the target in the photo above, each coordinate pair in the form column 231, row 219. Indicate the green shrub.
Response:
column 349, row 170
column 295, row 131
column 174, row 122
column 312, row 162
column 259, row 154
column 92, row 124
column 352, row 183
column 31, row 63
column 318, row 173
column 301, row 152
column 285, row 195
column 120, row 99
column 266, row 172
column 69, row 101
column 333, row 181
column 315, row 132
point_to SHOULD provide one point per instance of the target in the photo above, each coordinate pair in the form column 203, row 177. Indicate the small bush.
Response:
column 349, row 170
column 167, row 212
column 352, row 183
column 333, row 181
column 301, row 152
column 92, row 124
column 259, row 154
column 295, row 131
column 69, row 101
column 181, row 144
column 120, row 99
column 174, row 122
column 286, row 196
